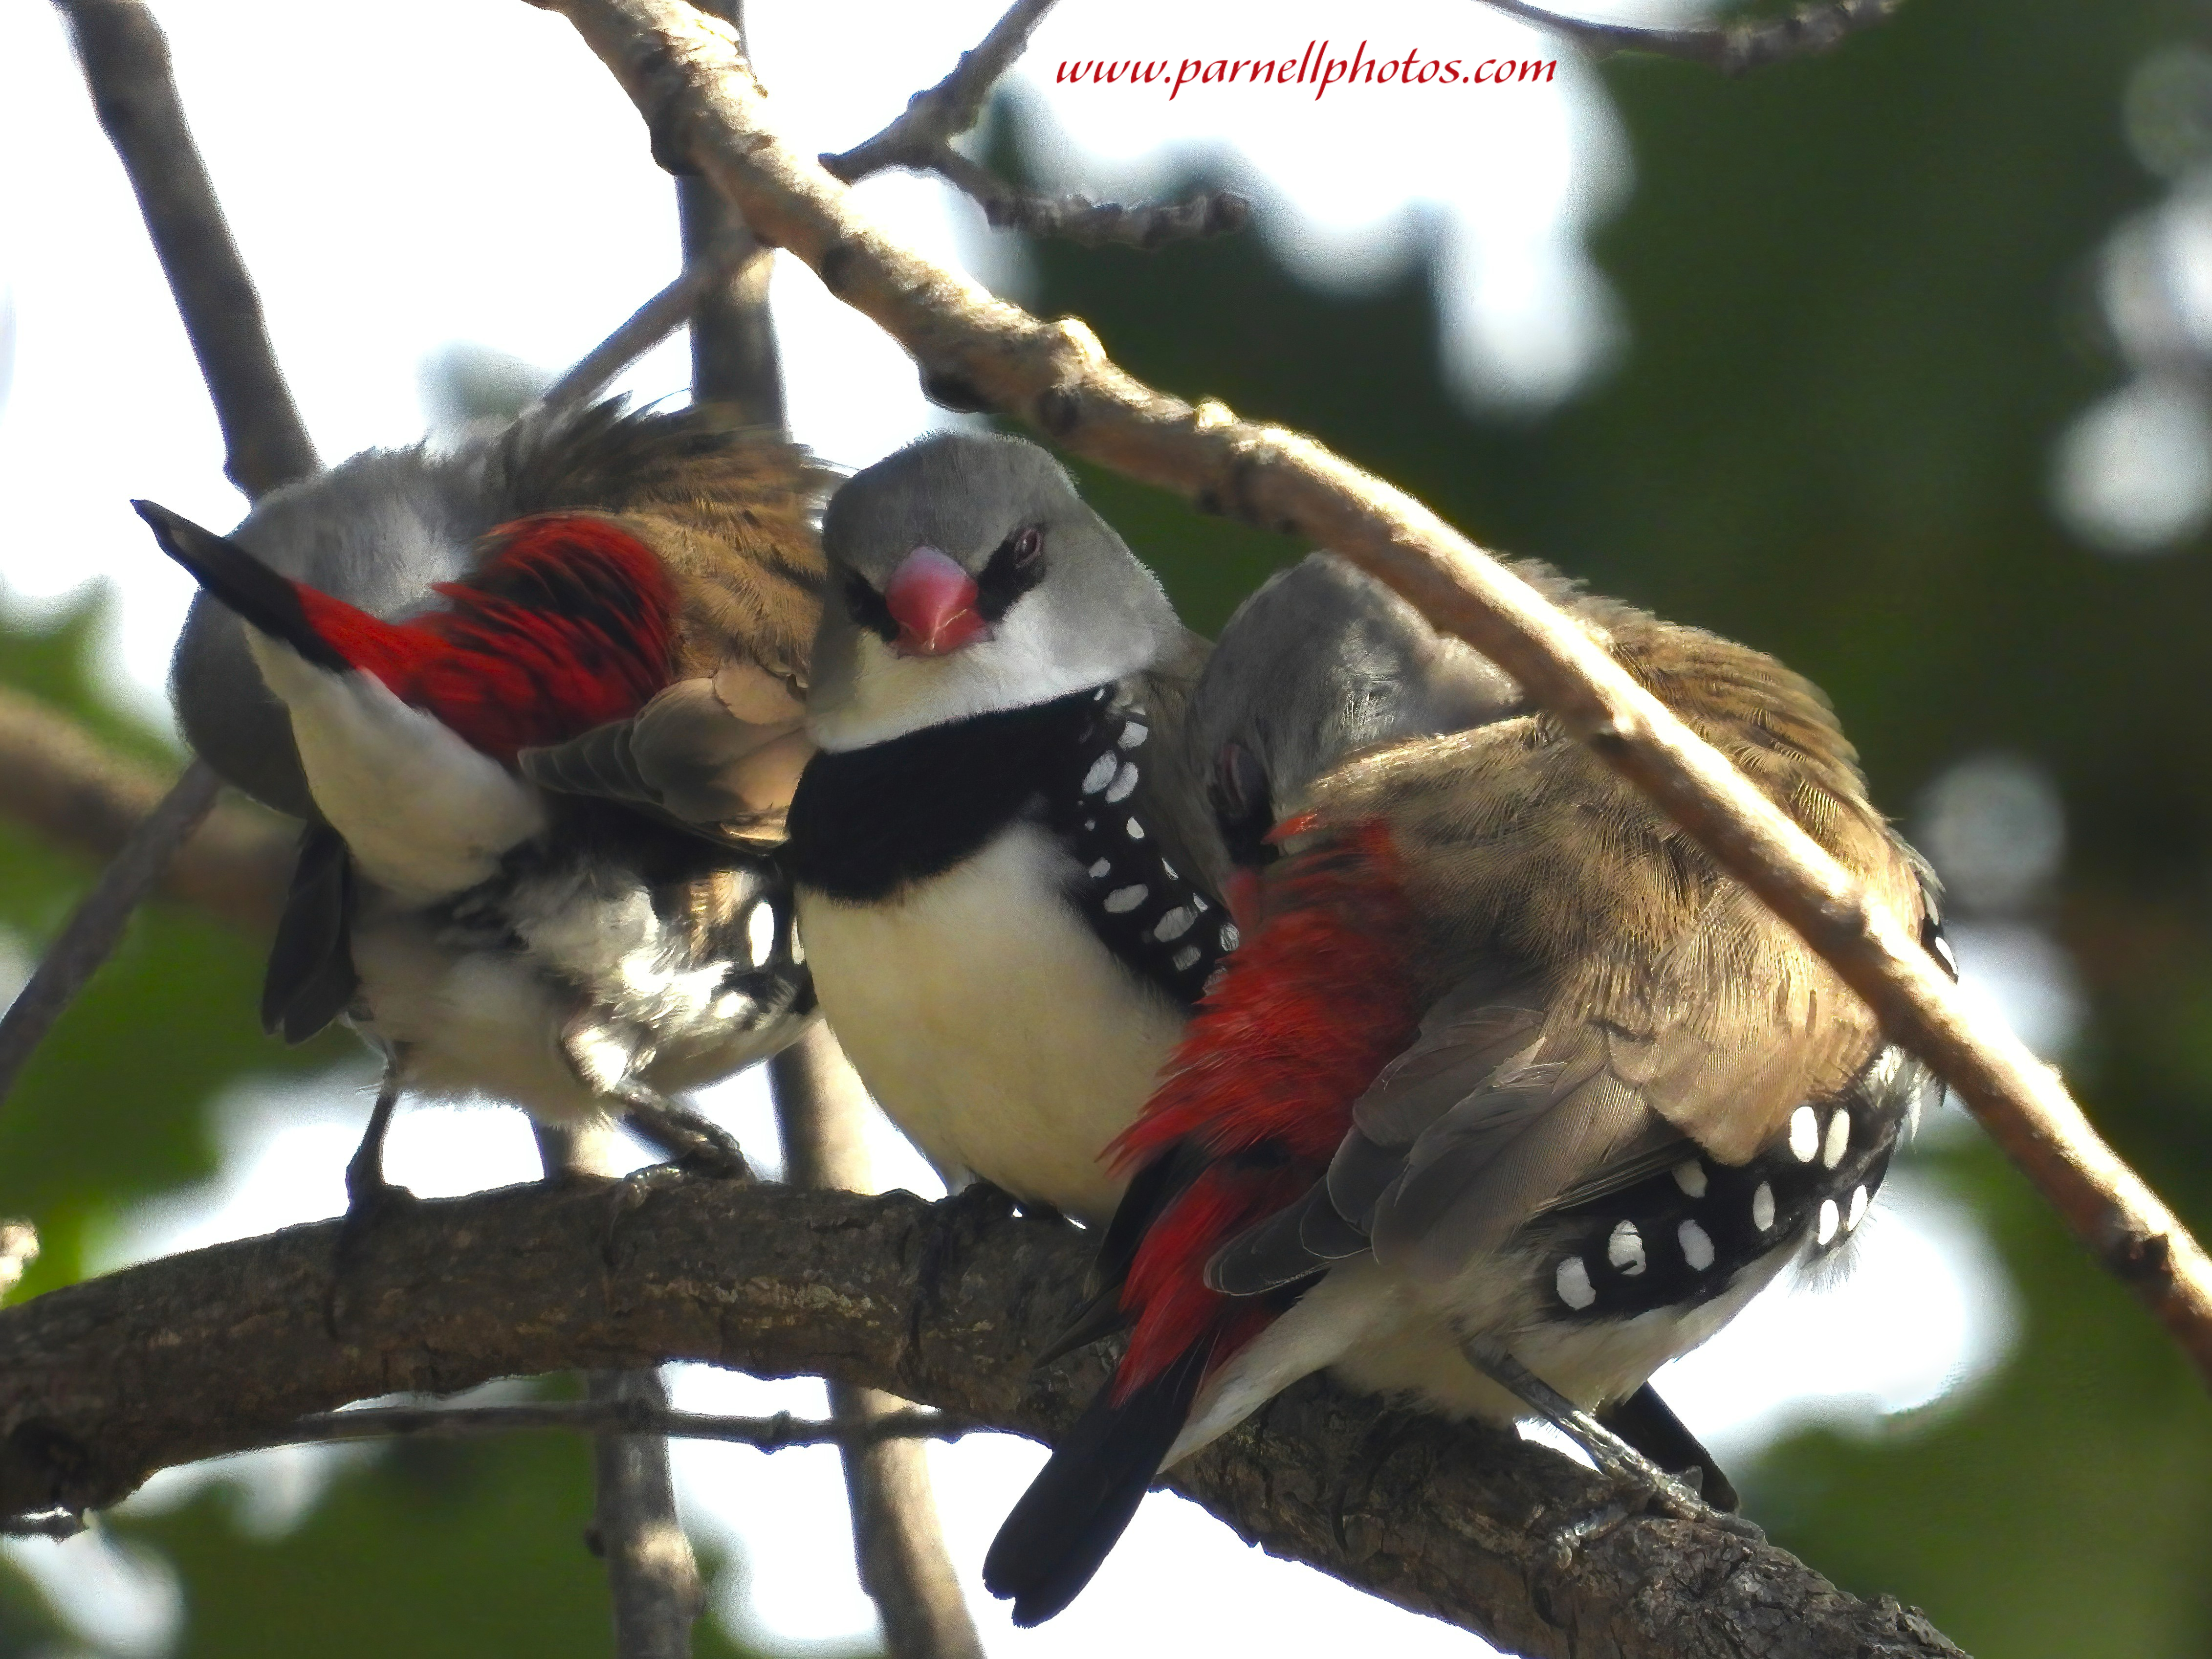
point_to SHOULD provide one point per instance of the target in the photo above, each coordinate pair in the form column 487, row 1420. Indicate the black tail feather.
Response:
column 311, row 978
column 263, row 598
column 1057, row 1536
column 1648, row 1423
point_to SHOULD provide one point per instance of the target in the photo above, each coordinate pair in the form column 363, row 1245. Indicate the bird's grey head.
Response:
column 1321, row 664
column 966, row 576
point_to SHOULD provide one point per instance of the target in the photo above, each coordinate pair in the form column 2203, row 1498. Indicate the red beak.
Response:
column 933, row 601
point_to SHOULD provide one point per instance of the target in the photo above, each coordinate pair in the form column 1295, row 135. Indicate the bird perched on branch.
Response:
column 537, row 699
column 1510, row 1094
column 1004, row 867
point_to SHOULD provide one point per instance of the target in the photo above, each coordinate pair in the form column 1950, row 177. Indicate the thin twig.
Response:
column 734, row 361
column 1145, row 225
column 125, row 58
column 653, row 1574
column 626, row 1415
column 952, row 107
column 821, row 1111
column 677, row 65
column 1734, row 48
column 898, row 1543
column 646, row 327
column 921, row 139
column 56, row 1524
column 95, row 926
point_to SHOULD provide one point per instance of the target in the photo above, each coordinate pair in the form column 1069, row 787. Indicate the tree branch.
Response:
column 624, row 1415
column 95, row 926
column 921, row 139
column 225, row 1349
column 79, row 794
column 715, row 265
column 653, row 1574
column 686, row 75
column 126, row 67
column 1733, row 48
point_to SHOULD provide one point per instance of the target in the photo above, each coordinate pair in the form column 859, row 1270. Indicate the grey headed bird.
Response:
column 1510, row 1095
column 1003, row 862
column 537, row 699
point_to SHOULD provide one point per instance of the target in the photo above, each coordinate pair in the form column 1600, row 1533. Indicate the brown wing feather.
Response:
column 1601, row 989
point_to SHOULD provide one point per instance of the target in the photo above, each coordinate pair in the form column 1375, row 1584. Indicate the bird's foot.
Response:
column 372, row 1203
column 691, row 1142
column 981, row 1200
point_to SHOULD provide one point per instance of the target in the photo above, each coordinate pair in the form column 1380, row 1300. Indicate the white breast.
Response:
column 990, row 1023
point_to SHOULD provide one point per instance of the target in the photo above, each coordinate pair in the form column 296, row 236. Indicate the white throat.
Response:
column 893, row 697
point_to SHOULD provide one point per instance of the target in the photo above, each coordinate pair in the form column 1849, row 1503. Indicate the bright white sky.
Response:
column 414, row 175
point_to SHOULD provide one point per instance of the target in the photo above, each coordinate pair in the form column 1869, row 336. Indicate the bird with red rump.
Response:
column 538, row 700
column 1509, row 1094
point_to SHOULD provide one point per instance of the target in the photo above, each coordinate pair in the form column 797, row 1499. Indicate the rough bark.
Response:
column 221, row 1349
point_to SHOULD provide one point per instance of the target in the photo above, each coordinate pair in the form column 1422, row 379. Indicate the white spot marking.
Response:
column 1829, row 1219
column 1804, row 1134
column 1945, row 955
column 1690, row 1176
column 1857, row 1213
column 1123, row 899
column 1625, row 1249
column 760, row 933
column 1230, row 936
column 1125, row 781
column 1100, row 774
column 1089, row 824
column 1187, row 958
column 1762, row 1207
column 1839, row 1137
column 1133, row 733
column 1133, row 829
column 1572, row 1281
column 1104, row 867
column 1697, row 1248
column 797, row 949
column 1175, row 924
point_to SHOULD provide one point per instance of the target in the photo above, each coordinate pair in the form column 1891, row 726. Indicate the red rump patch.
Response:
column 1304, row 1015
column 567, row 626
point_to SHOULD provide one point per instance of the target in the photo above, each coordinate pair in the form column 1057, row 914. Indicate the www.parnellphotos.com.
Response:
column 1312, row 67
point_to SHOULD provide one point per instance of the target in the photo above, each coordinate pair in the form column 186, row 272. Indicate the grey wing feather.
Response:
column 1287, row 1246
column 1463, row 1138
column 686, row 755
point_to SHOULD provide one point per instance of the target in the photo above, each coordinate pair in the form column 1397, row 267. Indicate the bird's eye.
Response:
column 1243, row 806
column 866, row 606
column 1016, row 566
